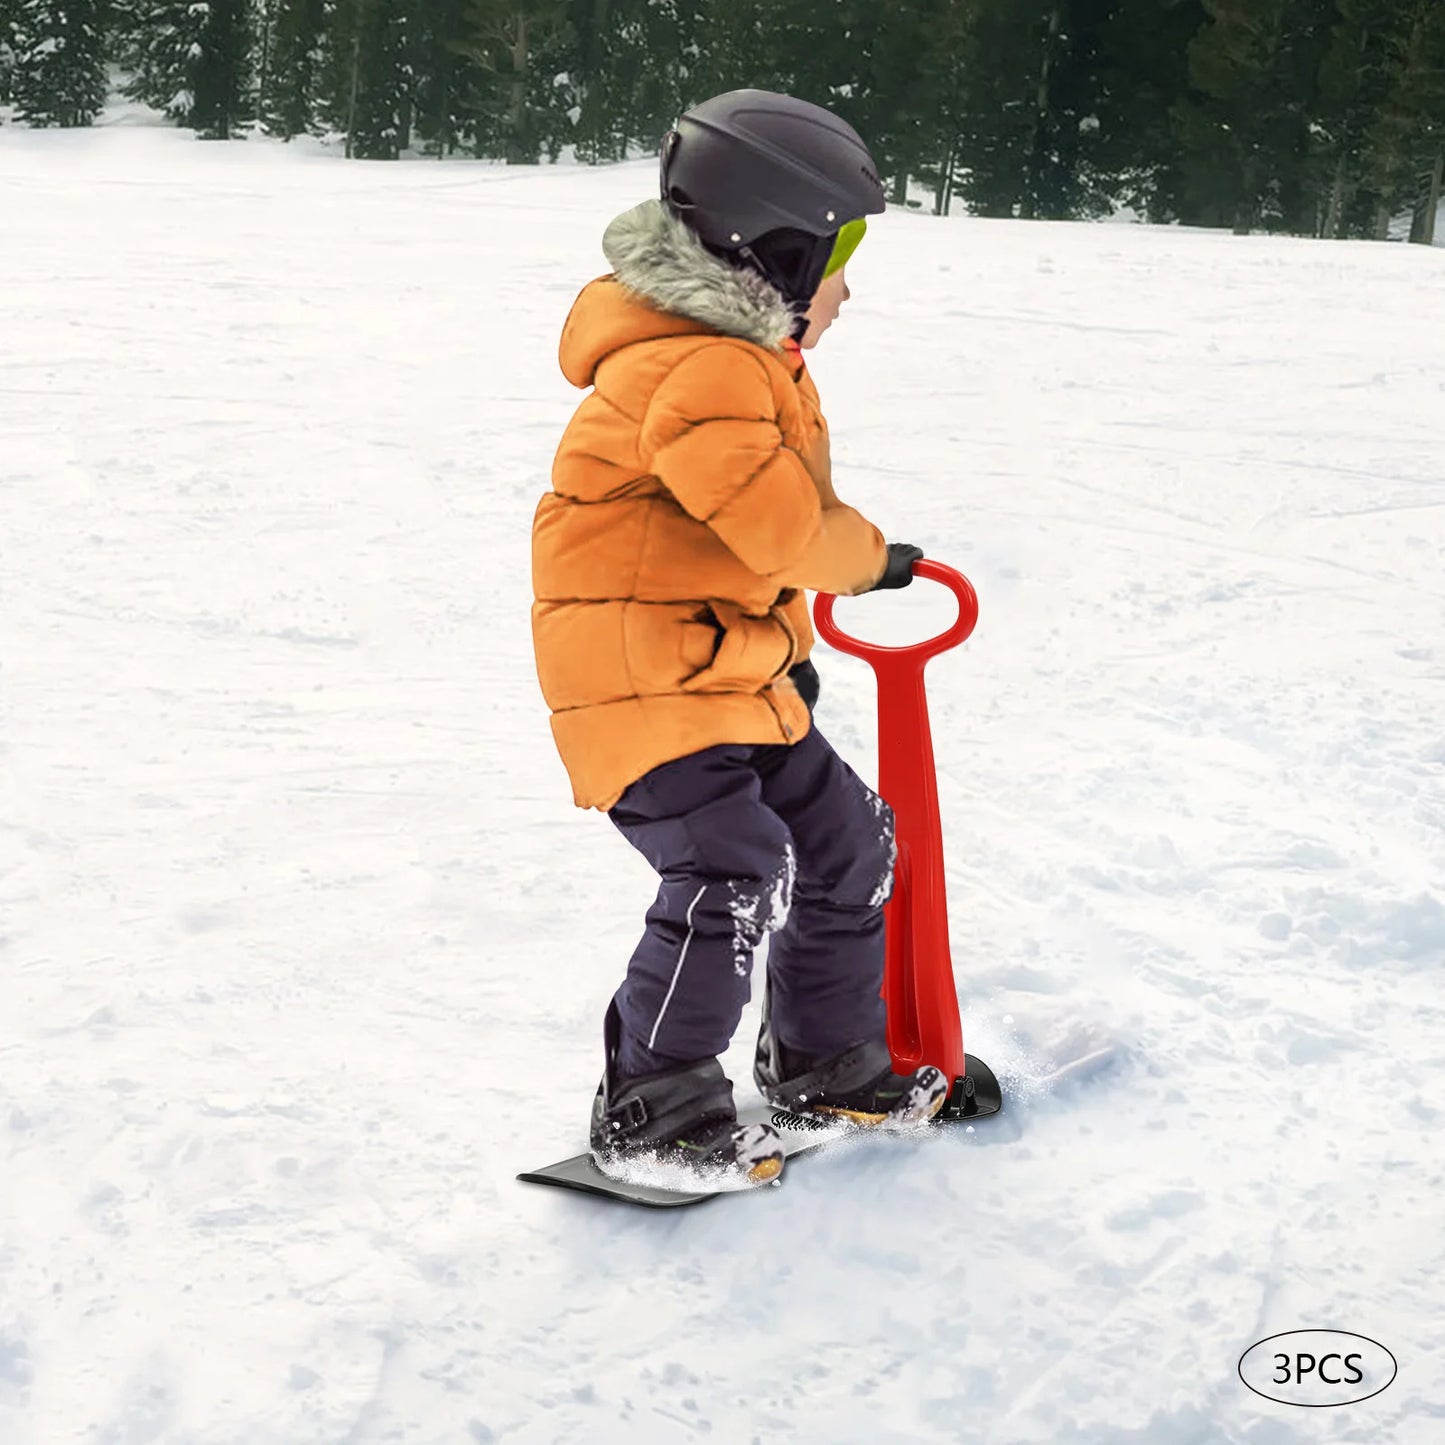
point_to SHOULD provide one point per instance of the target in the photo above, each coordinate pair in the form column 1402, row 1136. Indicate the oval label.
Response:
column 1317, row 1368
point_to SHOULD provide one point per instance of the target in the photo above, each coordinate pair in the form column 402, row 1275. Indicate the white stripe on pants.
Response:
column 681, row 958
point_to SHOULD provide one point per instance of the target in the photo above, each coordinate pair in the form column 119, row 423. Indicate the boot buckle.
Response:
column 627, row 1117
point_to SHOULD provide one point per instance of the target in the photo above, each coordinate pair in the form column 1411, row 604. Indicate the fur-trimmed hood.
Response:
column 657, row 257
column 665, row 283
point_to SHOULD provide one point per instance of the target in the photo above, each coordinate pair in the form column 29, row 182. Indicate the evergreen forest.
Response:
column 1310, row 117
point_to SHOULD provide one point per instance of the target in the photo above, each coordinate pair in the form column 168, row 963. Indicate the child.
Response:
column 693, row 504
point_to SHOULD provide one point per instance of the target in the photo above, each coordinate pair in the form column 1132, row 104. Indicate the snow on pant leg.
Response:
column 726, row 861
column 825, row 968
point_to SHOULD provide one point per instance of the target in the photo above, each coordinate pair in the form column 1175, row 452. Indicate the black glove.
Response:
column 806, row 680
column 899, row 571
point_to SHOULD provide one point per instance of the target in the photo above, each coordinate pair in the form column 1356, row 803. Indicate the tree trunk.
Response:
column 517, row 109
column 1382, row 219
column 1336, row 210
column 355, row 88
column 1029, row 209
column 1425, row 230
column 900, row 186
column 1244, row 213
column 263, row 77
column 406, row 101
column 1041, row 101
column 1246, row 209
column 943, row 196
column 445, row 141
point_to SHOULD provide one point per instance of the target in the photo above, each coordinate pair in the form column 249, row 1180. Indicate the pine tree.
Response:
column 585, row 83
column 192, row 60
column 867, row 63
column 1357, row 76
column 8, row 11
column 446, row 102
column 1245, row 130
column 735, row 50
column 223, row 70
column 945, row 82
column 582, row 79
column 1066, row 180
column 58, row 73
column 368, row 85
column 643, row 49
column 547, row 94
column 293, row 73
column 619, row 68
column 1143, row 75
column 1405, row 145
column 507, row 40
column 1027, row 112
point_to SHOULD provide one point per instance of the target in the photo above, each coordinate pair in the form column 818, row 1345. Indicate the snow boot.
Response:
column 857, row 1084
column 680, row 1116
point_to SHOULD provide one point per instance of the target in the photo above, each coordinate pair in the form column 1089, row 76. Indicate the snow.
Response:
column 305, row 950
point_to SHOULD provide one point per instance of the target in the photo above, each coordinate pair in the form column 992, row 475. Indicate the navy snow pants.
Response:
column 751, row 841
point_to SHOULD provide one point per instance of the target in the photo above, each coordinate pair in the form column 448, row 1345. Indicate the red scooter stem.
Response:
column 918, row 986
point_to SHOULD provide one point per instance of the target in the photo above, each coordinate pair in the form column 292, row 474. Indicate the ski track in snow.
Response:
column 305, row 951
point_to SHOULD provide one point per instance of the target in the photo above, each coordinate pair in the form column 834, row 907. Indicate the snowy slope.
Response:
column 303, row 948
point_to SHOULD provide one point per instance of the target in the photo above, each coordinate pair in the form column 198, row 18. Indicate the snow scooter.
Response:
column 918, row 986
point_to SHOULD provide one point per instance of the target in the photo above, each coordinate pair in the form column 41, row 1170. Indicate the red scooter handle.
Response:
column 873, row 652
column 918, row 986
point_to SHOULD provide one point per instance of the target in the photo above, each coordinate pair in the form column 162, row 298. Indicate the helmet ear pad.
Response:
column 790, row 260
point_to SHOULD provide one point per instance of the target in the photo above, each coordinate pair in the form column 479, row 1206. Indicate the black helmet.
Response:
column 751, row 164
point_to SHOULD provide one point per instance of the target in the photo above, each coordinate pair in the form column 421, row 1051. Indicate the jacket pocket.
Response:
column 751, row 651
column 666, row 643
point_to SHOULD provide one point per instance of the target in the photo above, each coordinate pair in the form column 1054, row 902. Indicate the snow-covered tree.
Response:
column 294, row 69
column 448, row 91
column 57, row 70
column 368, row 88
column 192, row 60
column 7, row 47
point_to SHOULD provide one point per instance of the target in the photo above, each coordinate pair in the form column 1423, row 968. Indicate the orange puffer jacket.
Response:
column 691, row 506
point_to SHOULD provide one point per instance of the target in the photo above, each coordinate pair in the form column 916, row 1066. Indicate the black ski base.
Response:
column 974, row 1096
column 800, row 1133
